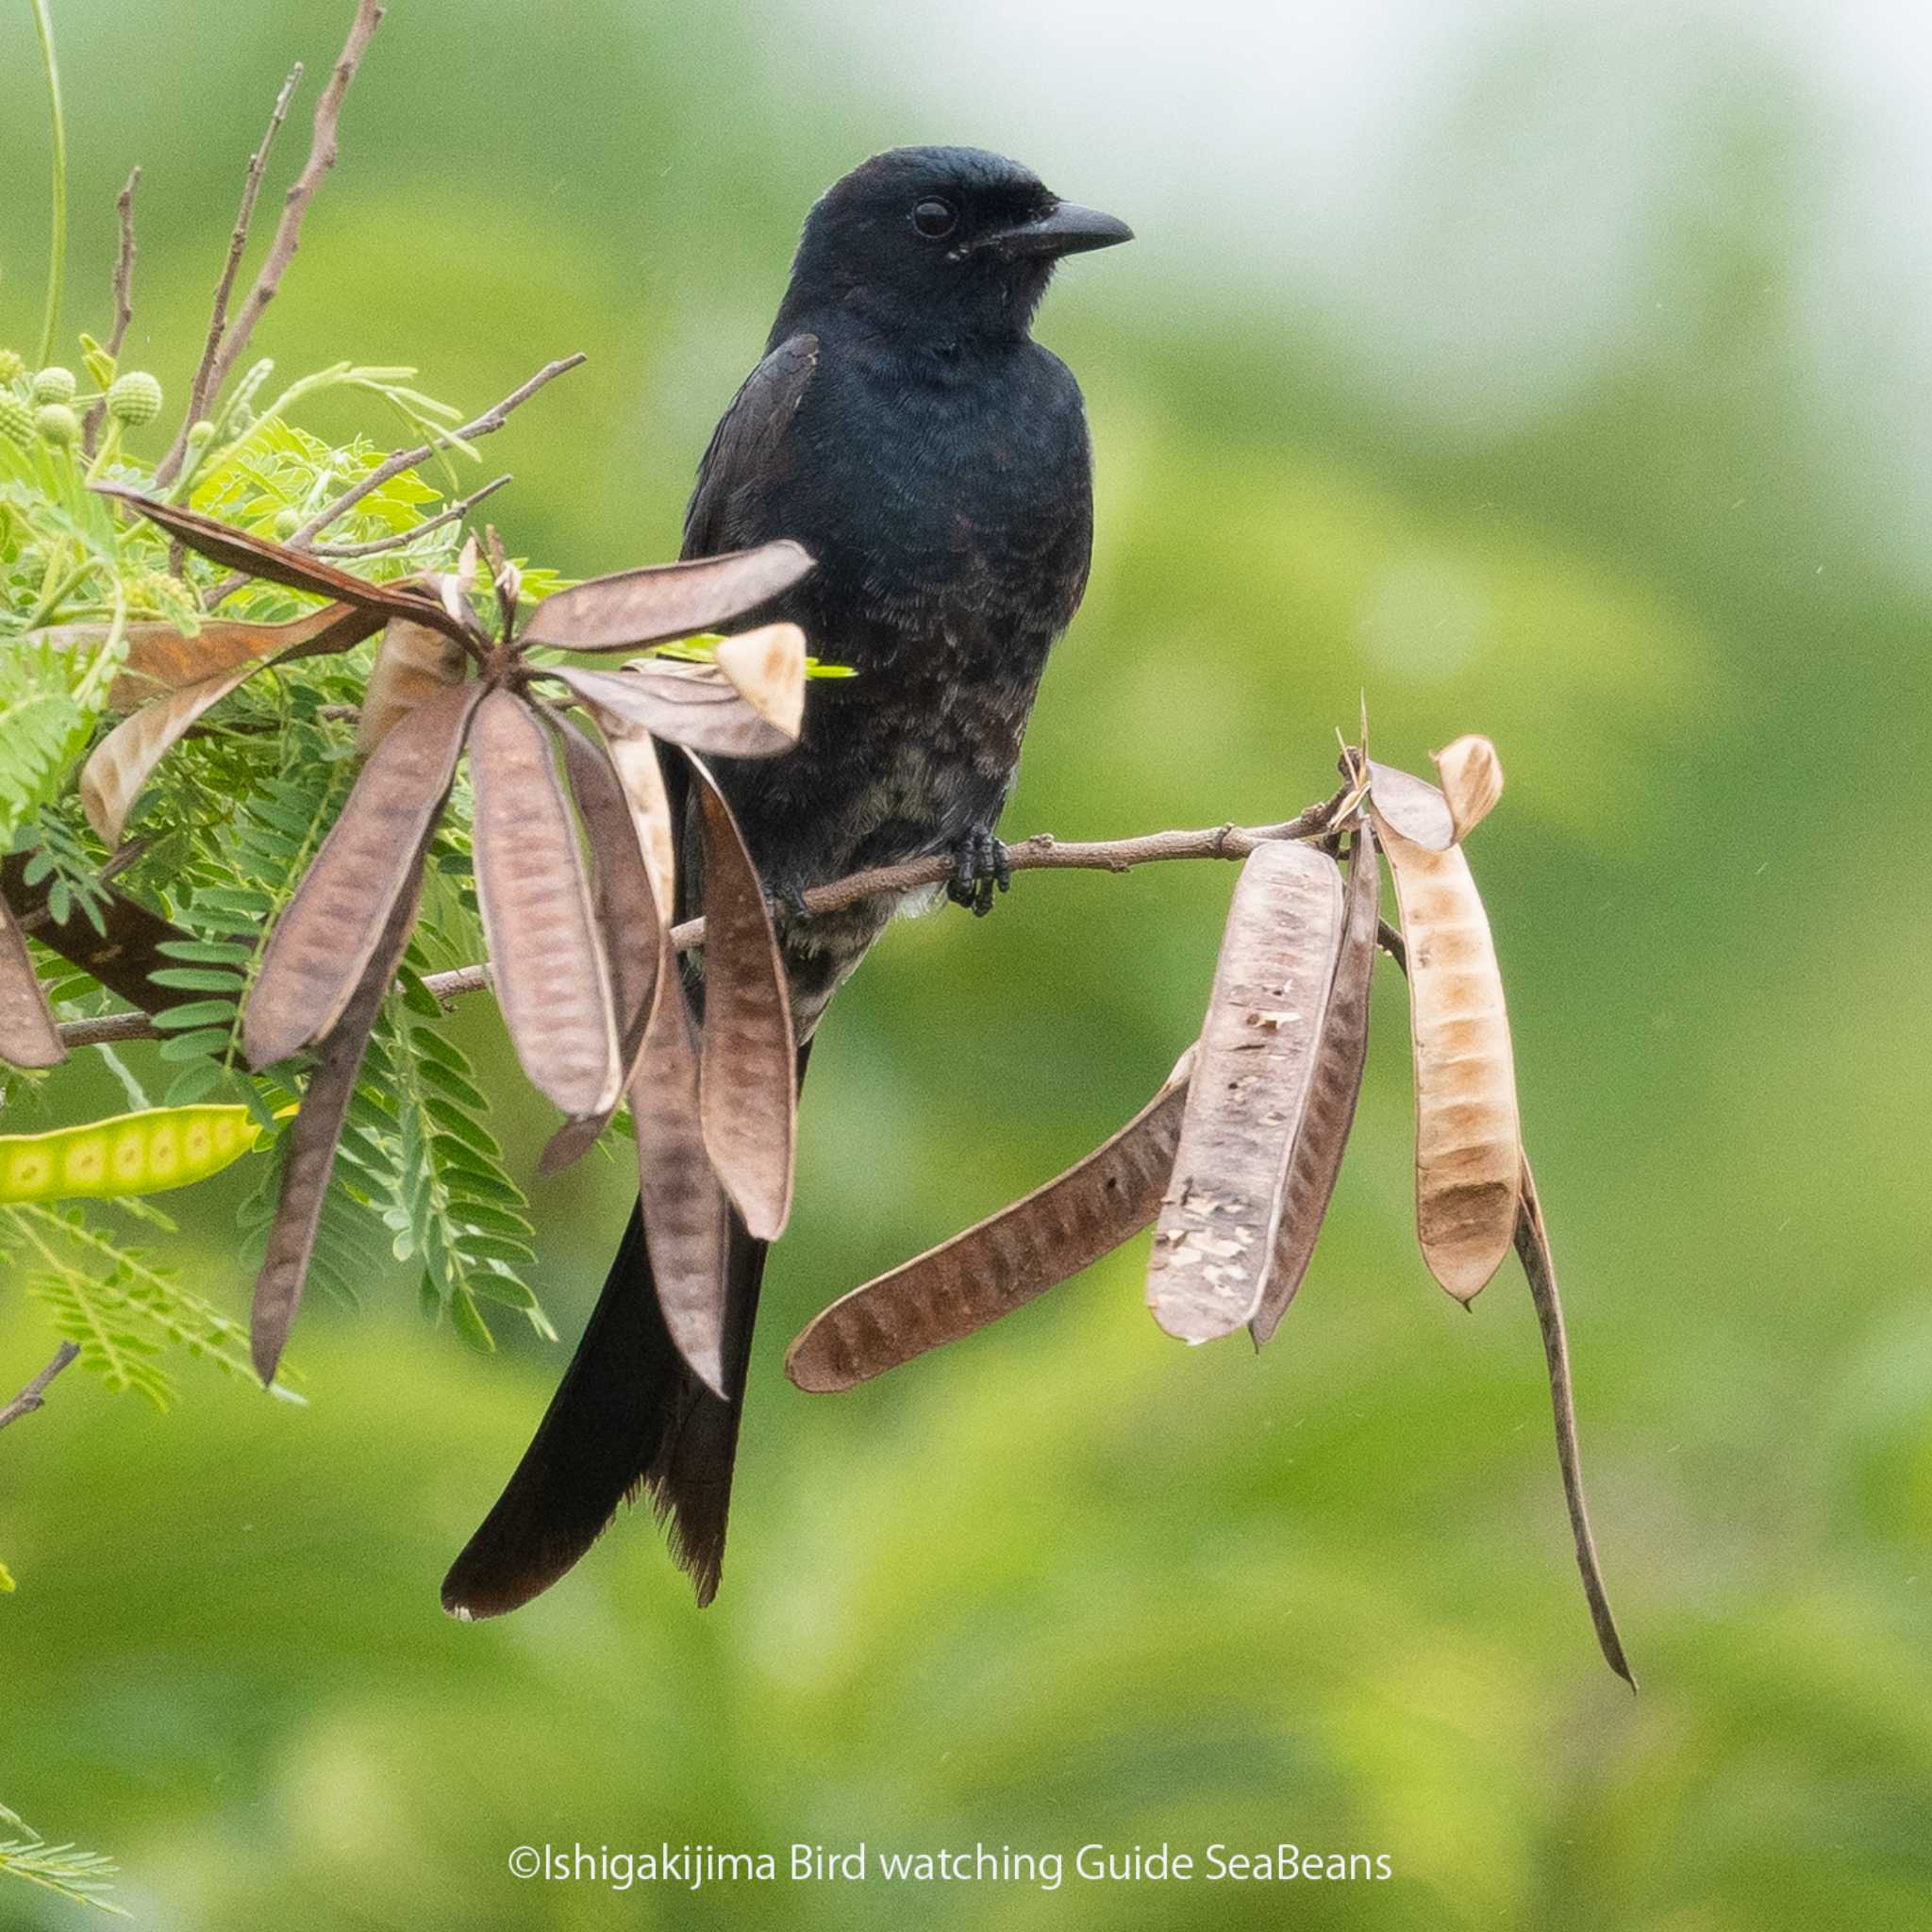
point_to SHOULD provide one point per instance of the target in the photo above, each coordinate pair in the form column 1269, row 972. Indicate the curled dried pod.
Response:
column 1472, row 776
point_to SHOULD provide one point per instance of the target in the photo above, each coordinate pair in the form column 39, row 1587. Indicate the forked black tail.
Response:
column 628, row 1415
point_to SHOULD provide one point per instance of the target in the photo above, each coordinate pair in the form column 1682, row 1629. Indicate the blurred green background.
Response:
column 1558, row 373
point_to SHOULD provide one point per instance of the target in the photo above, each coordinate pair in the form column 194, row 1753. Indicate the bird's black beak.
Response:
column 1066, row 228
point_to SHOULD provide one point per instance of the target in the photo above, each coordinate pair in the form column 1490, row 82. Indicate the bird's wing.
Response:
column 748, row 449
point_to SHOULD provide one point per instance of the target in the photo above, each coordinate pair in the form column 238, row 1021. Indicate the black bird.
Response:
column 905, row 427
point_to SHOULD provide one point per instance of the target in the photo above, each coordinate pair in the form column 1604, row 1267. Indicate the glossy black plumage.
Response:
column 906, row 428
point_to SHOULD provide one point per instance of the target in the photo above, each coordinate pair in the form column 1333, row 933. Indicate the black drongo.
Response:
column 906, row 429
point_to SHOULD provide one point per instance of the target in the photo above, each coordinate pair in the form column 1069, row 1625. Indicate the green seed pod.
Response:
column 287, row 523
column 55, row 386
column 132, row 1153
column 134, row 398
column 16, row 419
column 58, row 425
column 12, row 365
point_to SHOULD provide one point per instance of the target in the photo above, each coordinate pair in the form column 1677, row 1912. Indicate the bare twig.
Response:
column 322, row 158
column 1040, row 853
column 396, row 539
column 207, row 383
column 489, row 421
column 123, row 300
column 35, row 1394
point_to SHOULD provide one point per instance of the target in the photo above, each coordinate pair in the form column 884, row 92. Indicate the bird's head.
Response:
column 950, row 242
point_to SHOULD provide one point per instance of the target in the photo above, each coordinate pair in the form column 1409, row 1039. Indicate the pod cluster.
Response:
column 1233, row 1163
column 559, row 759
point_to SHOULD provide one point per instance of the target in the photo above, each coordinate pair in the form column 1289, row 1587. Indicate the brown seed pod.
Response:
column 276, row 563
column 1339, row 1059
column 1533, row 1249
column 160, row 658
column 121, row 957
column 685, row 1213
column 548, row 961
column 317, row 1129
column 632, row 607
column 28, row 1036
column 326, row 934
column 748, row 1080
column 1252, row 1071
column 692, row 704
column 1412, row 806
column 633, row 935
column 1003, row 1262
column 412, row 664
column 634, row 756
column 1468, row 1165
column 121, row 765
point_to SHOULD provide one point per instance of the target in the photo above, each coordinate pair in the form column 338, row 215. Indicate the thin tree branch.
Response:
column 123, row 300
column 489, row 421
column 1042, row 852
column 397, row 540
column 204, row 384
column 35, row 1394
column 492, row 419
column 322, row 158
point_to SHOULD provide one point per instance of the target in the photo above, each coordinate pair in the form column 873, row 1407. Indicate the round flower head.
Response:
column 134, row 398
column 55, row 386
column 16, row 419
column 58, row 425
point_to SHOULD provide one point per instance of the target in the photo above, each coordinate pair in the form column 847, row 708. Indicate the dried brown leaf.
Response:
column 635, row 934
column 1339, row 1057
column 748, row 1082
column 412, row 664
column 276, row 563
column 1412, row 806
column 1467, row 1128
column 691, row 704
column 1252, row 1071
column 310, row 1158
column 766, row 667
column 671, row 600
column 1533, row 1248
column 1002, row 1263
column 1472, row 775
column 330, row 928
column 686, row 1216
column 546, row 955
column 28, row 1036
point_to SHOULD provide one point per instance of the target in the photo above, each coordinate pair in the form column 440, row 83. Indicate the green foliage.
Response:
column 121, row 1308
column 83, row 1877
column 221, row 838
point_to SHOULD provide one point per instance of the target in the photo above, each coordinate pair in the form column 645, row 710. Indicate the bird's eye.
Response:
column 935, row 218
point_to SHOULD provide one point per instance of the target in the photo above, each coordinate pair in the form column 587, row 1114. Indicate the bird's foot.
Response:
column 979, row 864
column 786, row 903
